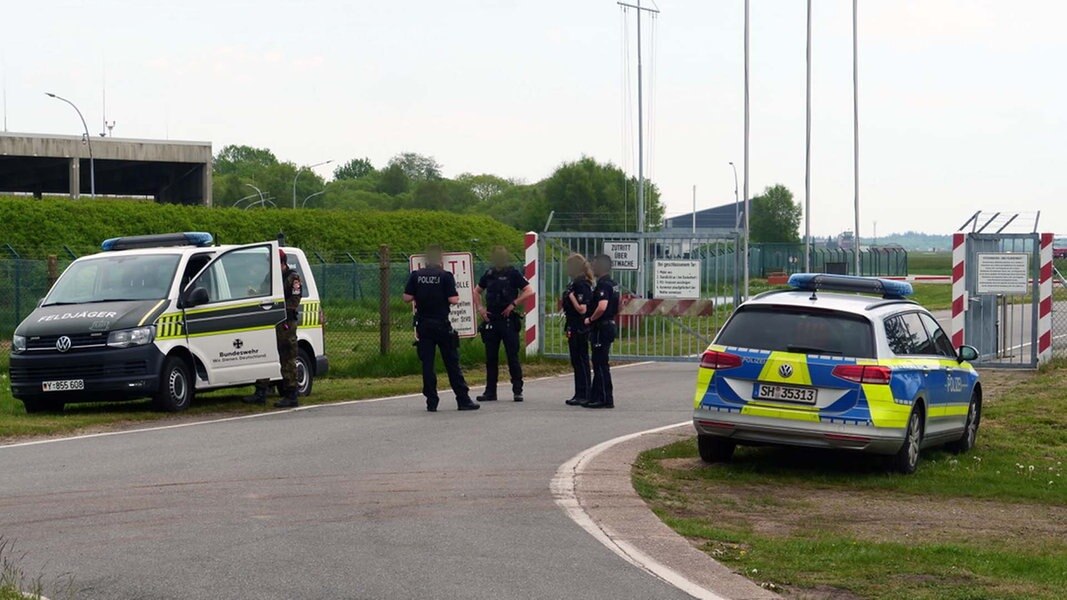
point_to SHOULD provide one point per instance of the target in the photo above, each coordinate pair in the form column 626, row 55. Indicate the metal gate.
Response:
column 1002, row 301
column 677, row 289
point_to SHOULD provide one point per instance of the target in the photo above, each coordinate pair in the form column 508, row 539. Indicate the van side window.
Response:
column 907, row 336
column 193, row 267
column 237, row 275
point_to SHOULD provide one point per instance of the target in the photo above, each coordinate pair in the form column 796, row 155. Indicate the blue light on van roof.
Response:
column 887, row 288
column 165, row 240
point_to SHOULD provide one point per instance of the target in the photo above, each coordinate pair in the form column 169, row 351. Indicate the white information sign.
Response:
column 461, row 265
column 623, row 255
column 1003, row 273
column 677, row 279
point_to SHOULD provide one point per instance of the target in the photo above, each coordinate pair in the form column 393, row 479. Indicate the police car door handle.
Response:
column 266, row 304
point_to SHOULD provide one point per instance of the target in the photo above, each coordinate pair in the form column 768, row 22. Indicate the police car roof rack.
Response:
column 886, row 288
column 163, row 240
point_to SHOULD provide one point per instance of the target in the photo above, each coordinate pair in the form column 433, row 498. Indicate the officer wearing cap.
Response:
column 602, row 332
column 292, row 291
column 433, row 291
column 504, row 288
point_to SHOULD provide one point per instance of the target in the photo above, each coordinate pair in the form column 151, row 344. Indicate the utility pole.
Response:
column 640, row 145
column 807, row 159
column 747, row 203
column 88, row 142
column 694, row 208
column 856, row 129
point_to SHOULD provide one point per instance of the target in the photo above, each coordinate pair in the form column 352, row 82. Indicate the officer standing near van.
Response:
column 602, row 332
column 292, row 292
column 505, row 288
column 433, row 291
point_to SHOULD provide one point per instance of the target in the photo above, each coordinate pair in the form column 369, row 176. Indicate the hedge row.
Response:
column 36, row 228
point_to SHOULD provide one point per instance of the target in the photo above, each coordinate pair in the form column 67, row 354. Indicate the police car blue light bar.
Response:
column 813, row 282
column 165, row 240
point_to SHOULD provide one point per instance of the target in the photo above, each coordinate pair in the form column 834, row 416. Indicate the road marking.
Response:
column 563, row 491
column 103, row 434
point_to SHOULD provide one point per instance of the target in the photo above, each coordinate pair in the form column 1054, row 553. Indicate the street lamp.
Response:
column 88, row 142
column 304, row 203
column 300, row 170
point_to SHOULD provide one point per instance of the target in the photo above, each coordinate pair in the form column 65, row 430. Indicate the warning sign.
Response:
column 677, row 279
column 623, row 255
column 460, row 264
column 1003, row 273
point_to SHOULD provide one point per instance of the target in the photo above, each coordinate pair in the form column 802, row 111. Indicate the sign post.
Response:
column 461, row 265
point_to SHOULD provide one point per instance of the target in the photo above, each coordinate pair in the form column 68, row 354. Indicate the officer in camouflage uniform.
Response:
column 292, row 290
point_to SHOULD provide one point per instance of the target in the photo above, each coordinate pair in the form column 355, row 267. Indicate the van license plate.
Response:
column 67, row 385
column 786, row 393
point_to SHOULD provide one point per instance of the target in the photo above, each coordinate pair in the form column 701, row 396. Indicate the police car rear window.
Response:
column 807, row 331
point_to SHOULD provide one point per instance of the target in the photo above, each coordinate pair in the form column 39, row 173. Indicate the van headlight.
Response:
column 124, row 338
column 18, row 344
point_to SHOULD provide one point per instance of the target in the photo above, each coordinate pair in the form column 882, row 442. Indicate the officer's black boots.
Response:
column 576, row 401
column 468, row 405
column 258, row 397
column 518, row 397
column 289, row 401
column 487, row 398
column 599, row 404
column 431, row 404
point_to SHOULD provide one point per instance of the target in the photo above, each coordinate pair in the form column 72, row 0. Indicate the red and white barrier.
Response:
column 533, row 316
column 959, row 288
column 639, row 307
column 1044, row 314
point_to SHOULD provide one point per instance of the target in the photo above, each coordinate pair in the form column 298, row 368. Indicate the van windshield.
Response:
column 801, row 330
column 115, row 279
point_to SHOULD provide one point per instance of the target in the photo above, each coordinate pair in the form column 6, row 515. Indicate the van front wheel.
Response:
column 175, row 386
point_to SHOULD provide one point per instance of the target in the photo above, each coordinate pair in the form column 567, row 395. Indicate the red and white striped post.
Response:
column 533, row 315
column 1044, row 314
column 959, row 288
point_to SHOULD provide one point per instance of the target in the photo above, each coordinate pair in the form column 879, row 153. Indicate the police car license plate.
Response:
column 67, row 385
column 785, row 393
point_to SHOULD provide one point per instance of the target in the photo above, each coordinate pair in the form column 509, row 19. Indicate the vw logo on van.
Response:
column 63, row 343
column 785, row 371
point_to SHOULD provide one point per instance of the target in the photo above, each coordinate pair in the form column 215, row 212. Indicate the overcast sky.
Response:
column 962, row 102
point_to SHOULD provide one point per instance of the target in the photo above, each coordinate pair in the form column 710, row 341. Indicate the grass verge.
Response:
column 989, row 524
column 15, row 423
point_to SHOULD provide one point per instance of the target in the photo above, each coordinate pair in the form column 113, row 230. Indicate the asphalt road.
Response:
column 366, row 500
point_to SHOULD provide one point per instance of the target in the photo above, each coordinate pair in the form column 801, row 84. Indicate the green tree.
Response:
column 242, row 160
column 417, row 167
column 590, row 196
column 393, row 181
column 485, row 187
column 775, row 217
column 357, row 168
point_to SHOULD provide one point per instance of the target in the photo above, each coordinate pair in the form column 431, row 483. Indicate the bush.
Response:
column 37, row 228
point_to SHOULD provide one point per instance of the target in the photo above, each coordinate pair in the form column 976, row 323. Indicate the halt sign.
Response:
column 677, row 279
column 1003, row 273
column 623, row 255
column 461, row 265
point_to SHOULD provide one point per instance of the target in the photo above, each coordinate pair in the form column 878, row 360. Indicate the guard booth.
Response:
column 1002, row 291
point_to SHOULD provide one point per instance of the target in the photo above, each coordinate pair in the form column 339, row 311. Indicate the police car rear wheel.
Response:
column 715, row 449
column 906, row 460
column 175, row 386
column 304, row 373
column 970, row 431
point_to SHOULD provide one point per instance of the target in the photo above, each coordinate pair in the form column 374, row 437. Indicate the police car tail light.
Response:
column 713, row 359
column 863, row 373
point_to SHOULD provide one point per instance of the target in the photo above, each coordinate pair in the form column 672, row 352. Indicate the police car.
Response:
column 163, row 316
column 826, row 365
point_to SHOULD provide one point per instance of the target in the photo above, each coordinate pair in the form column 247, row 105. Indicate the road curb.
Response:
column 596, row 491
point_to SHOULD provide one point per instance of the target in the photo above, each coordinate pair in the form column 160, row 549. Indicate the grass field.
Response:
column 929, row 263
column 988, row 524
column 15, row 423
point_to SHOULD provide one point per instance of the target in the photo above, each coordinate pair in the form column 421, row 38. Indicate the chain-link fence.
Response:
column 1059, row 307
column 878, row 261
column 358, row 340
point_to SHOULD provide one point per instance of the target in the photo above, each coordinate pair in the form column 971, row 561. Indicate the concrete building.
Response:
column 169, row 171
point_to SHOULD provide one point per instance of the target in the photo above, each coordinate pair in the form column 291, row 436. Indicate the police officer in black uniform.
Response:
column 602, row 332
column 576, row 303
column 505, row 288
column 433, row 290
